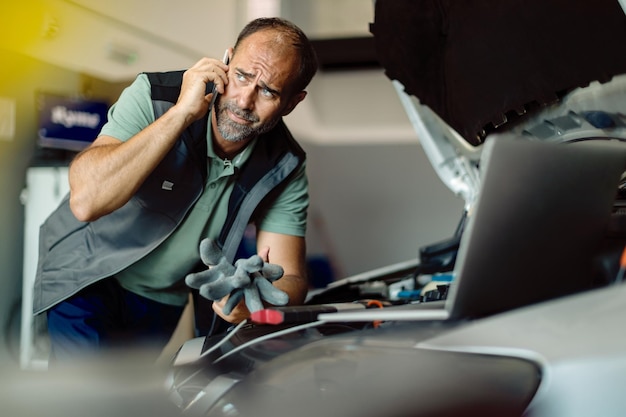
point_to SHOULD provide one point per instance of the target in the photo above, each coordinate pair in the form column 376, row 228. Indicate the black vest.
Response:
column 73, row 254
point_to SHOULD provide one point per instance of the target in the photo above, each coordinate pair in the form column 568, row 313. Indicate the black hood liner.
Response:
column 481, row 63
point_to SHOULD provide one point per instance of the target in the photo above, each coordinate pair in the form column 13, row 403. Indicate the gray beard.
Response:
column 235, row 132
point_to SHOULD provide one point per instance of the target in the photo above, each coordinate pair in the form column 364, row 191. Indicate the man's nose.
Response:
column 246, row 97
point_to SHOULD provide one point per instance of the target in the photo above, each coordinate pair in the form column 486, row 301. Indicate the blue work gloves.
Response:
column 250, row 279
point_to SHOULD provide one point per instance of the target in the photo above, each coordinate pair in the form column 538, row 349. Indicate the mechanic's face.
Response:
column 258, row 93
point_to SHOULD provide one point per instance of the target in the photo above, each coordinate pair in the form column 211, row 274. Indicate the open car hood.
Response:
column 473, row 69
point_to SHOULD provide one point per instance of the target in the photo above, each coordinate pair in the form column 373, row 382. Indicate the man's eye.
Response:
column 240, row 77
column 267, row 93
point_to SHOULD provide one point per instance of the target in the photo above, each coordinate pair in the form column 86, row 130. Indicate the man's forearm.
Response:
column 106, row 175
column 295, row 286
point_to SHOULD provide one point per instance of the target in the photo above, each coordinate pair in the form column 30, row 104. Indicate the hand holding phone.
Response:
column 214, row 91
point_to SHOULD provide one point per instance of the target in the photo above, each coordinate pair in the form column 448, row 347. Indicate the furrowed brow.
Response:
column 262, row 84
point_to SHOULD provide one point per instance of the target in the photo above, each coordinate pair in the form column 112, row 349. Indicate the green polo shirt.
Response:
column 160, row 275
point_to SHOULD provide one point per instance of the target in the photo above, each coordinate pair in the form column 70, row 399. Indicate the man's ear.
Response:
column 293, row 102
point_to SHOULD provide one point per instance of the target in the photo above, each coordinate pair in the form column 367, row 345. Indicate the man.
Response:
column 167, row 171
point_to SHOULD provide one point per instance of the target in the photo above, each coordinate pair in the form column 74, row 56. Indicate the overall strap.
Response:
column 276, row 157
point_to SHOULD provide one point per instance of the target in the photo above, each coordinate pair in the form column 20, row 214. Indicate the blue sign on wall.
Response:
column 69, row 123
